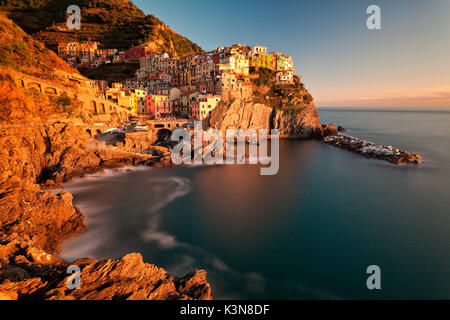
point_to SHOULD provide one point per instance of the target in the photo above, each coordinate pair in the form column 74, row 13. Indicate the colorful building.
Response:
column 141, row 96
column 263, row 61
column 128, row 100
column 187, row 98
column 285, row 77
column 202, row 107
column 283, row 63
column 136, row 53
column 159, row 106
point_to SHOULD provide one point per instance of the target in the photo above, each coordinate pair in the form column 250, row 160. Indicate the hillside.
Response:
column 115, row 23
column 111, row 72
column 21, row 52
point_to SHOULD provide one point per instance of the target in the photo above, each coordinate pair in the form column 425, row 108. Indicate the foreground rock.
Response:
column 372, row 150
column 28, row 272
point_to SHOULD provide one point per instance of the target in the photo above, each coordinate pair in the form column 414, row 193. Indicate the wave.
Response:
column 170, row 189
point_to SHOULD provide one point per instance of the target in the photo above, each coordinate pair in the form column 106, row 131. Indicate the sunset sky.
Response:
column 342, row 63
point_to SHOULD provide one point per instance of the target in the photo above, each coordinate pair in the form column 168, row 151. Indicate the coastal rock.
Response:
column 128, row 278
column 329, row 130
column 8, row 295
column 372, row 150
column 242, row 114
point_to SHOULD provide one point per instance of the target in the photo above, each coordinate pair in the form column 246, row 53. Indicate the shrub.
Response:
column 64, row 102
column 265, row 76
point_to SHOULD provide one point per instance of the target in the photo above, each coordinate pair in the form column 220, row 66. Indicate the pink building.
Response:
column 158, row 106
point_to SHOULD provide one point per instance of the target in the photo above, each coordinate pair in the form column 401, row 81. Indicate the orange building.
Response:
column 263, row 61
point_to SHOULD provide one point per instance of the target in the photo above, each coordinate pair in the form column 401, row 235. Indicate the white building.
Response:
column 258, row 50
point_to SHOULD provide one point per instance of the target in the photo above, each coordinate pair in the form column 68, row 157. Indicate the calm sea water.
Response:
column 309, row 232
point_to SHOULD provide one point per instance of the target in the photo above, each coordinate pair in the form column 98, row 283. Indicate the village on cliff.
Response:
column 189, row 87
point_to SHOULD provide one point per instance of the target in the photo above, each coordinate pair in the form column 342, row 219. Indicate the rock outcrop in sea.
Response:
column 372, row 150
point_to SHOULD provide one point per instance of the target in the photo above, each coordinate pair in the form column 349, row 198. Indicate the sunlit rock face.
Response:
column 239, row 114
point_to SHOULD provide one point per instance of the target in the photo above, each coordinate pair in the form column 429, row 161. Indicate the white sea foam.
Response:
column 167, row 191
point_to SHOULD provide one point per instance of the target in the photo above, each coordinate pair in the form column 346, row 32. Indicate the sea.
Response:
column 309, row 232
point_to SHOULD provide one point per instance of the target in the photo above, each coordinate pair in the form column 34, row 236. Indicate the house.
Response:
column 285, row 77
column 141, row 97
column 136, row 53
column 201, row 108
column 207, row 86
column 122, row 56
column 102, row 84
column 230, row 85
column 258, row 50
column 158, row 106
column 239, row 63
column 187, row 98
column 263, row 61
column 283, row 63
column 128, row 100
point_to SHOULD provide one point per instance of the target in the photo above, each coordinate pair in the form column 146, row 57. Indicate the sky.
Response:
column 341, row 61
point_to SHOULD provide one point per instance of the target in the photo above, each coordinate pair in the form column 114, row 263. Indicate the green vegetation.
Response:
column 288, row 97
column 64, row 102
column 115, row 23
column 111, row 72
column 265, row 76
column 21, row 52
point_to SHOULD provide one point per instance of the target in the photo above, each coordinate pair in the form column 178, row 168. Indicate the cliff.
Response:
column 244, row 114
column 21, row 52
column 288, row 108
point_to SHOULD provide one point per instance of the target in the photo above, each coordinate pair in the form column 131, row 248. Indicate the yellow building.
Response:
column 141, row 97
column 239, row 63
column 128, row 100
column 206, row 104
column 263, row 61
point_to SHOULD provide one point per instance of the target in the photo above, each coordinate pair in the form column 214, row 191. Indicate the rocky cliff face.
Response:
column 240, row 114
